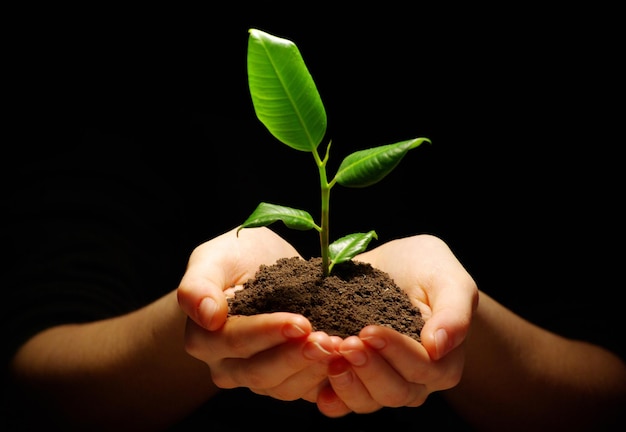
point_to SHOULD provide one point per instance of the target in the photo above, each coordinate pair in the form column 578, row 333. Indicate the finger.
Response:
column 350, row 389
column 244, row 336
column 452, row 305
column 202, row 297
column 401, row 352
column 411, row 360
column 213, row 267
column 383, row 382
column 330, row 404
column 304, row 384
column 286, row 371
column 224, row 262
column 446, row 293
column 313, row 394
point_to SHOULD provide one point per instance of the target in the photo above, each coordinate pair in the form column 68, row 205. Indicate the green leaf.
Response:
column 266, row 214
column 366, row 167
column 283, row 92
column 349, row 246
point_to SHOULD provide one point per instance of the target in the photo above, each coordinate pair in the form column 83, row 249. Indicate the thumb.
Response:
column 203, row 299
column 452, row 311
column 213, row 267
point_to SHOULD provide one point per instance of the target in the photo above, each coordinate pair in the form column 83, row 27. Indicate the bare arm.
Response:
column 498, row 371
column 518, row 376
column 150, row 368
column 131, row 370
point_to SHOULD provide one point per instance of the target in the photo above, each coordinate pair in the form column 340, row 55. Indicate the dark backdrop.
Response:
column 522, row 179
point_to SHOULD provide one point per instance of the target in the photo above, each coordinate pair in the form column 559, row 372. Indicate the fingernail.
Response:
column 441, row 343
column 293, row 331
column 355, row 357
column 206, row 311
column 314, row 351
column 375, row 342
column 343, row 379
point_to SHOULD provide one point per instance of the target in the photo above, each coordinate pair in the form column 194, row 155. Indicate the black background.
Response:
column 523, row 178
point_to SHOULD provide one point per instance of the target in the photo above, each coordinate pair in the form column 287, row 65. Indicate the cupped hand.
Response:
column 427, row 270
column 222, row 264
column 382, row 367
column 273, row 354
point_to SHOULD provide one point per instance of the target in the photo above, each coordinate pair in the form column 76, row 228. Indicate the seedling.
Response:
column 287, row 102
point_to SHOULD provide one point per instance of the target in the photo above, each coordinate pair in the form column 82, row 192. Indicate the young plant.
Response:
column 287, row 102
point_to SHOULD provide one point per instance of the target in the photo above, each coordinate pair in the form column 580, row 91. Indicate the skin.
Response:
column 558, row 383
column 484, row 351
column 98, row 374
column 165, row 347
column 446, row 296
column 383, row 368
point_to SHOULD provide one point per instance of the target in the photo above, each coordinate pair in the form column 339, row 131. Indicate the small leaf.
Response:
column 283, row 92
column 349, row 246
column 367, row 167
column 266, row 214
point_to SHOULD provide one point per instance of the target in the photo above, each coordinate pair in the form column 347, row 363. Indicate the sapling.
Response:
column 287, row 102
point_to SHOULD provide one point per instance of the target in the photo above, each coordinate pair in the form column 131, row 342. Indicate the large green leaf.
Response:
column 366, row 167
column 283, row 92
column 266, row 214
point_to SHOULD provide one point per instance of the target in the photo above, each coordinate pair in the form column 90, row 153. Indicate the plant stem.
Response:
column 325, row 205
column 324, row 233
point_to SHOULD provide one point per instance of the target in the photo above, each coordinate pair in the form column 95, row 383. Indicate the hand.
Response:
column 273, row 354
column 381, row 367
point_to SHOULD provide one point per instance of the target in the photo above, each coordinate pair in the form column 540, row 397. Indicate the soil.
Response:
column 353, row 296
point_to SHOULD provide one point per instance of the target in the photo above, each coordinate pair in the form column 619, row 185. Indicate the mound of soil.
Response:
column 353, row 296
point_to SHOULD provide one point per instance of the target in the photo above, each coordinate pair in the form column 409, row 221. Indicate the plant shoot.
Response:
column 287, row 102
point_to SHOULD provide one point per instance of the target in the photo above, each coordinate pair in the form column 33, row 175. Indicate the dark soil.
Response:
column 353, row 296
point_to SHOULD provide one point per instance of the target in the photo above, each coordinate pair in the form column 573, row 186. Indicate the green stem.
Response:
column 325, row 204
column 325, row 232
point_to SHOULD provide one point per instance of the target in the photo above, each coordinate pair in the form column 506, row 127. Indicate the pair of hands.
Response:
column 279, row 355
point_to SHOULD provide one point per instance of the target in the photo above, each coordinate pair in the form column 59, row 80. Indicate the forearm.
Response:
column 130, row 369
column 520, row 377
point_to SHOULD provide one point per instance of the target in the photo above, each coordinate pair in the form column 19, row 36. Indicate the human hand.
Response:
column 382, row 367
column 272, row 354
column 220, row 266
